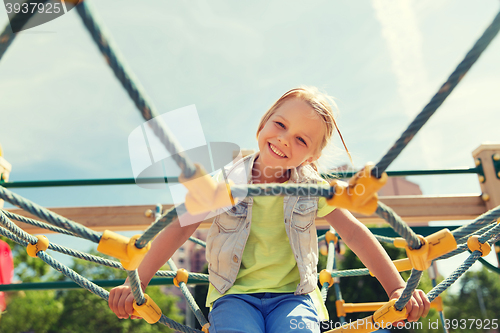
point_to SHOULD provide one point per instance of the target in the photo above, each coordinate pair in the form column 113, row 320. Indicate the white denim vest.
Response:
column 230, row 230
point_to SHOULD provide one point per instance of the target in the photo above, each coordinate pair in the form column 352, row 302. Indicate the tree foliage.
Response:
column 479, row 300
column 73, row 311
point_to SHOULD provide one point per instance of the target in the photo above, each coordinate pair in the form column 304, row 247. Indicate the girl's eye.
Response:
column 302, row 140
column 279, row 124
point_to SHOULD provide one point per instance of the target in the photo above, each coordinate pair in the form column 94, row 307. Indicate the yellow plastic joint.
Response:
column 182, row 276
column 122, row 248
column 399, row 242
column 339, row 305
column 204, row 193
column 331, row 237
column 360, row 193
column 388, row 314
column 42, row 244
column 474, row 245
column 402, row 265
column 205, row 327
column 437, row 304
column 433, row 246
column 149, row 311
column 326, row 276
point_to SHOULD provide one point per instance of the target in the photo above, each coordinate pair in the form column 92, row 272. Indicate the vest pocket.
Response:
column 230, row 220
column 304, row 214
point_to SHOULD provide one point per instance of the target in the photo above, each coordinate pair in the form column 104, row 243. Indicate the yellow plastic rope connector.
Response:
column 402, row 265
column 122, row 248
column 382, row 318
column 433, row 246
column 41, row 245
column 326, row 276
column 149, row 311
column 182, row 276
column 344, row 308
column 204, row 193
column 474, row 245
column 339, row 306
column 205, row 327
column 331, row 237
column 360, row 193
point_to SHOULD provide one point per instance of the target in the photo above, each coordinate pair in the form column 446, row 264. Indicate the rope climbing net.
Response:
column 204, row 195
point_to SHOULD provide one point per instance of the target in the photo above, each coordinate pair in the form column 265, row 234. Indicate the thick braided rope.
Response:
column 439, row 97
column 493, row 232
column 479, row 222
column 78, row 279
column 133, row 88
column 36, row 223
column 198, row 241
column 303, row 190
column 85, row 256
column 486, row 233
column 49, row 216
column 85, row 283
column 189, row 298
column 351, row 272
column 398, row 225
column 135, row 286
column 17, row 22
column 157, row 226
column 410, row 287
column 330, row 261
column 384, row 239
column 11, row 236
column 454, row 277
column 192, row 276
column 14, row 229
column 477, row 232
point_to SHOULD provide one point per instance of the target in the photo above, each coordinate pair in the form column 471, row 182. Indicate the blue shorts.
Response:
column 265, row 313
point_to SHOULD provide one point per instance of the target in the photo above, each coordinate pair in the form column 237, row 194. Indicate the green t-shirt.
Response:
column 268, row 263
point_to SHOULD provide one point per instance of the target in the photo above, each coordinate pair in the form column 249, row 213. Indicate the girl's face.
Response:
column 291, row 137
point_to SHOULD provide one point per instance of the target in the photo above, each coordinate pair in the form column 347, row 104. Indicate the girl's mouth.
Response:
column 275, row 150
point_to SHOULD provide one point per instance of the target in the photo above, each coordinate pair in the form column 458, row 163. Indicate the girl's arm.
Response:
column 163, row 247
column 359, row 239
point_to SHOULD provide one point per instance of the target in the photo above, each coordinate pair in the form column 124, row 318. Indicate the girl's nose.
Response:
column 283, row 140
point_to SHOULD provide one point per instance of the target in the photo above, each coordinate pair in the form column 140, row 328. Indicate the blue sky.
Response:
column 65, row 116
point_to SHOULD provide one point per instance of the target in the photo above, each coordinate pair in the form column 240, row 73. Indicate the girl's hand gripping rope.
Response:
column 418, row 305
column 121, row 302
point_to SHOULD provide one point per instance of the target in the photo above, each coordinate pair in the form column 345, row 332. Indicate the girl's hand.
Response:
column 418, row 305
column 121, row 300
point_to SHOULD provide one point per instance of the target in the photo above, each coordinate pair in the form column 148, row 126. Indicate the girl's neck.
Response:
column 263, row 174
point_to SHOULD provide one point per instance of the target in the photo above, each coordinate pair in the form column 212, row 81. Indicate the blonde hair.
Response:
column 320, row 102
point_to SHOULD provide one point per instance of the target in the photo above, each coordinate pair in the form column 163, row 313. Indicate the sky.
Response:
column 63, row 114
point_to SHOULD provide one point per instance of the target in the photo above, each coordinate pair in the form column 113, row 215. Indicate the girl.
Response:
column 263, row 252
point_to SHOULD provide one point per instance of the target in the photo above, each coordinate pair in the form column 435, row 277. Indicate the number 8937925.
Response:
column 463, row 324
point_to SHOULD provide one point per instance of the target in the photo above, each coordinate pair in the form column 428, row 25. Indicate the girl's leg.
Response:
column 236, row 314
column 293, row 314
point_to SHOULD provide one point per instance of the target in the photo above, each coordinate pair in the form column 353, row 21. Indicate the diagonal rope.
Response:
column 439, row 97
column 398, row 225
column 16, row 24
column 36, row 223
column 49, row 216
column 133, row 88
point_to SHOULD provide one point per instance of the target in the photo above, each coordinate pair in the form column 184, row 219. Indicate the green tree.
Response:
column 74, row 310
column 479, row 303
column 33, row 311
